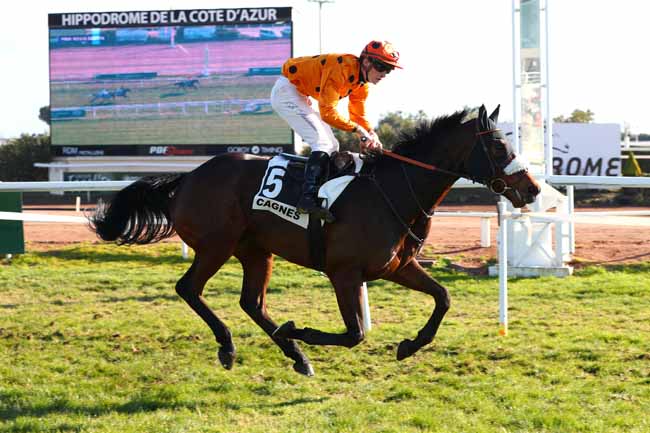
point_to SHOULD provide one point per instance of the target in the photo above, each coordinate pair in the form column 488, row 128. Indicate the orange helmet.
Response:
column 382, row 51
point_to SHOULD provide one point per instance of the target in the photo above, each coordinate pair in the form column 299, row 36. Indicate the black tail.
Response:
column 138, row 214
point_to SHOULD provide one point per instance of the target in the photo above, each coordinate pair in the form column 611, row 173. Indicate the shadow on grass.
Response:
column 108, row 256
column 294, row 402
column 588, row 268
column 172, row 297
column 141, row 404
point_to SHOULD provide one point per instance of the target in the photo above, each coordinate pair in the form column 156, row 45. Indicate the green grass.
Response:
column 94, row 339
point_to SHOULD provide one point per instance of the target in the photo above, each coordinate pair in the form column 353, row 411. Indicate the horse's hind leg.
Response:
column 258, row 265
column 190, row 288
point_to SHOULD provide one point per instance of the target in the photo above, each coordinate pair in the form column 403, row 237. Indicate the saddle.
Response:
column 340, row 164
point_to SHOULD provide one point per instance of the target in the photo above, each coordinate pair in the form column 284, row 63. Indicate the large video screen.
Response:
column 168, row 82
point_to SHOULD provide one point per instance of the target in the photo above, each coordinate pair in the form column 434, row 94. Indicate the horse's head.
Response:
column 493, row 162
column 475, row 150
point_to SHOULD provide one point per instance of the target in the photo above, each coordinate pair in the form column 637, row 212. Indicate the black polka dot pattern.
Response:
column 339, row 59
column 322, row 62
column 318, row 89
column 376, row 45
column 351, row 78
column 293, row 69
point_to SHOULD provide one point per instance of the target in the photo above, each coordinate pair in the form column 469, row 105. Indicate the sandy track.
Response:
column 456, row 238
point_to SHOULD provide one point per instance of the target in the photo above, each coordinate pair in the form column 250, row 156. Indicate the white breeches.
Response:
column 295, row 109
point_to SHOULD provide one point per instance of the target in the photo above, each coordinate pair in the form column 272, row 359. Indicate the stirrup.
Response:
column 317, row 212
column 323, row 214
column 307, row 205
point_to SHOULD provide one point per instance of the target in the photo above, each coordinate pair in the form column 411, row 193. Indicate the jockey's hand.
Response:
column 368, row 141
column 378, row 146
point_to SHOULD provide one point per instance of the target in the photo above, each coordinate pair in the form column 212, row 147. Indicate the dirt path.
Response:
column 456, row 238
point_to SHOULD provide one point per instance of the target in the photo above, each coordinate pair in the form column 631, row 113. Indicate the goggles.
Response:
column 381, row 66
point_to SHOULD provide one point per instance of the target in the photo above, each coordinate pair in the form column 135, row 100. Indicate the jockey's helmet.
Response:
column 382, row 51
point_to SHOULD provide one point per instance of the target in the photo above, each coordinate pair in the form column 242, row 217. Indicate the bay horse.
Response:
column 382, row 220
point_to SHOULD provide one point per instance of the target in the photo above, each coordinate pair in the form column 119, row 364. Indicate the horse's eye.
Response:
column 499, row 148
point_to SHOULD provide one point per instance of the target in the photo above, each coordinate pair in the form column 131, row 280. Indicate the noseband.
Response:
column 496, row 182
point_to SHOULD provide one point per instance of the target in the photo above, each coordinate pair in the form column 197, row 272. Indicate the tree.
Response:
column 44, row 114
column 389, row 128
column 18, row 156
column 578, row 116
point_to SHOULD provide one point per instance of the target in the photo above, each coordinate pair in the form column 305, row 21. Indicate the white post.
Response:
column 549, row 120
column 515, row 81
column 572, row 225
column 486, row 240
column 365, row 305
column 559, row 243
column 320, row 27
column 184, row 250
column 503, row 269
column 77, row 204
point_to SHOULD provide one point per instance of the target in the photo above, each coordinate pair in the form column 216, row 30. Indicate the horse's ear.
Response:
column 495, row 114
column 482, row 116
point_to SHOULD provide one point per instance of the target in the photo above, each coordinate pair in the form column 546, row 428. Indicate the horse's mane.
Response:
column 428, row 134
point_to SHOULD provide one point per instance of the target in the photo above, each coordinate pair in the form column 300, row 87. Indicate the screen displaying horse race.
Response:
column 175, row 82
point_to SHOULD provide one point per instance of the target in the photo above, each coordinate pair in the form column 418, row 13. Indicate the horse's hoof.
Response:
column 227, row 358
column 284, row 330
column 304, row 368
column 405, row 349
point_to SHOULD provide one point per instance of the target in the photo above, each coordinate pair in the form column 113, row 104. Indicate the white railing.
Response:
column 115, row 185
column 164, row 105
column 99, row 185
column 600, row 181
column 42, row 218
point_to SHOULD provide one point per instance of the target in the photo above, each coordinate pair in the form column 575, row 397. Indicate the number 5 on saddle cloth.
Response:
column 282, row 184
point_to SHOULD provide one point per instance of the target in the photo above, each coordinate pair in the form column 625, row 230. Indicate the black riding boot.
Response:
column 315, row 173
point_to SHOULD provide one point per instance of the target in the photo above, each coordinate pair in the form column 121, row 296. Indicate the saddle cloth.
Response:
column 282, row 185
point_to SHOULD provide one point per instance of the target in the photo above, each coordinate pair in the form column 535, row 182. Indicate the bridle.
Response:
column 495, row 182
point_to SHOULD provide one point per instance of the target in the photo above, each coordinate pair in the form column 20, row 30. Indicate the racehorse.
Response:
column 105, row 95
column 382, row 219
column 187, row 84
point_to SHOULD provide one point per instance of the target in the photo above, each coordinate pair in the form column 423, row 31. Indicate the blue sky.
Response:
column 455, row 53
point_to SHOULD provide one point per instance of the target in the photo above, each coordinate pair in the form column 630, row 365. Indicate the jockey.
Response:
column 328, row 78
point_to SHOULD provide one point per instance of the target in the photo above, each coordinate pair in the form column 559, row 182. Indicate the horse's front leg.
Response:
column 416, row 278
column 347, row 285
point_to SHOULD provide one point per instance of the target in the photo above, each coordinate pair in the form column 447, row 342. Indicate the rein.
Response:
column 429, row 166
